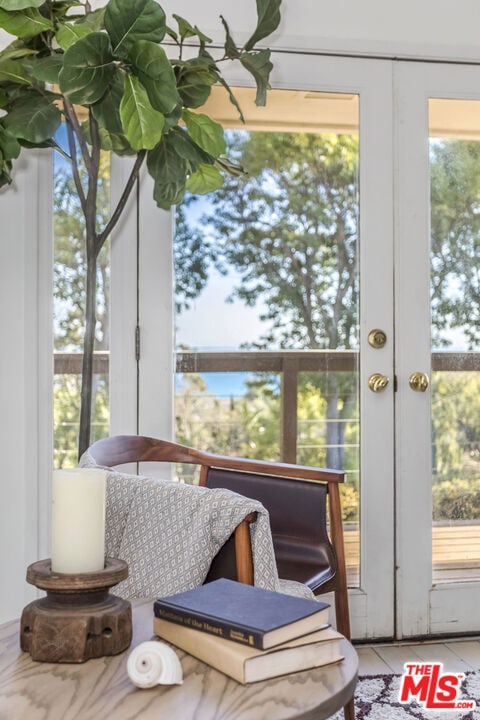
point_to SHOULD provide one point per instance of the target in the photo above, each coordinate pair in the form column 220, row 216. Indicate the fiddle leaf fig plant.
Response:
column 120, row 80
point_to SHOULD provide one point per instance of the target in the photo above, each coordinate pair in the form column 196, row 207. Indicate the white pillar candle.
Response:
column 78, row 520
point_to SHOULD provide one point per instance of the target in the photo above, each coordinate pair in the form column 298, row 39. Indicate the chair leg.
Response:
column 342, row 614
column 349, row 710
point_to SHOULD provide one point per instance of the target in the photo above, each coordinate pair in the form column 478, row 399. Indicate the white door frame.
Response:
column 141, row 388
column 372, row 604
column 422, row 608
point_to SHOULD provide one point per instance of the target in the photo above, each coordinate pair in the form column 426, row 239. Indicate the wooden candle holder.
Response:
column 78, row 619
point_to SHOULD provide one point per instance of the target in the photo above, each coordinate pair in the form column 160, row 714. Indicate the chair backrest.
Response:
column 295, row 496
column 297, row 510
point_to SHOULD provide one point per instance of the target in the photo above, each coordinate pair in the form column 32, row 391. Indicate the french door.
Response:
column 333, row 243
column 415, row 538
column 437, row 259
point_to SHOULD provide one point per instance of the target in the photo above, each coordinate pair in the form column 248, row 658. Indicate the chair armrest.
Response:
column 234, row 560
column 243, row 550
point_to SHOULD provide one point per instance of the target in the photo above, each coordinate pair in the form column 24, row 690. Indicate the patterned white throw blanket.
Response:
column 169, row 532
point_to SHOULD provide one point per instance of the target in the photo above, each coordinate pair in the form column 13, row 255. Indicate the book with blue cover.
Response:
column 243, row 613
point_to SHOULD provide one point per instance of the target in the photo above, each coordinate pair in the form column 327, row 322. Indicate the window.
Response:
column 69, row 311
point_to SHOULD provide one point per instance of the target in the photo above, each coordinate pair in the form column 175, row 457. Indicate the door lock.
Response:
column 377, row 382
column 377, row 338
column 418, row 381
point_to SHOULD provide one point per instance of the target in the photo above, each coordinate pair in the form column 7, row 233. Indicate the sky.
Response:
column 211, row 322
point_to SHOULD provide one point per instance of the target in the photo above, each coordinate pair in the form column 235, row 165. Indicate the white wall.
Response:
column 25, row 376
column 426, row 28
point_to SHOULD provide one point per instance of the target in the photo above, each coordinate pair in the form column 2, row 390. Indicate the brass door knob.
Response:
column 377, row 382
column 418, row 381
column 377, row 338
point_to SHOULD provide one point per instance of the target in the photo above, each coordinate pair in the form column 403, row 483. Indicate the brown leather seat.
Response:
column 303, row 550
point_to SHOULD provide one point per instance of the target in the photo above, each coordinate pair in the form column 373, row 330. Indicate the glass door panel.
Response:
column 455, row 304
column 437, row 301
column 267, row 292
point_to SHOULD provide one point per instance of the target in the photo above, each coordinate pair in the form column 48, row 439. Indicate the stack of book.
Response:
column 248, row 633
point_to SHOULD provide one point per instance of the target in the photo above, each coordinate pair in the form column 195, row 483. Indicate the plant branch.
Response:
column 73, row 119
column 123, row 200
column 91, row 217
column 75, row 171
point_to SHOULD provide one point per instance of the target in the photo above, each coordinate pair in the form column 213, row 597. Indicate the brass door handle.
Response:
column 418, row 381
column 377, row 382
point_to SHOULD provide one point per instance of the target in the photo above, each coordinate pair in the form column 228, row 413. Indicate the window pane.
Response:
column 267, row 329
column 455, row 300
column 69, row 309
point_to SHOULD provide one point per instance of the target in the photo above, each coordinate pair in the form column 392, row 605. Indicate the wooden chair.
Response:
column 296, row 498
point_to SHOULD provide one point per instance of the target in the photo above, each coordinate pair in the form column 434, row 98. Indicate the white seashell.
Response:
column 154, row 663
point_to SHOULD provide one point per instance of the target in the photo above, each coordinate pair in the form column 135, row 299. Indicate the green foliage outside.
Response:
column 69, row 282
column 455, row 231
column 66, row 399
column 289, row 230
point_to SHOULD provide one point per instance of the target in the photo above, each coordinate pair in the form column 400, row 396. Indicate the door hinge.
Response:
column 137, row 343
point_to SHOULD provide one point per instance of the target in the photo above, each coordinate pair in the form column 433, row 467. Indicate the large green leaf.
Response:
column 232, row 97
column 206, row 179
column 171, row 33
column 94, row 20
column 9, row 145
column 60, row 8
column 172, row 119
column 128, row 21
column 115, row 142
column 68, row 33
column 5, row 171
column 154, row 69
column 259, row 66
column 12, row 5
column 142, row 124
column 16, row 49
column 168, row 194
column 268, row 13
column 88, row 69
column 33, row 118
column 47, row 69
column 169, row 172
column 164, row 163
column 207, row 133
column 107, row 110
column 13, row 71
column 186, row 30
column 24, row 23
column 188, row 150
column 231, row 50
column 194, row 80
